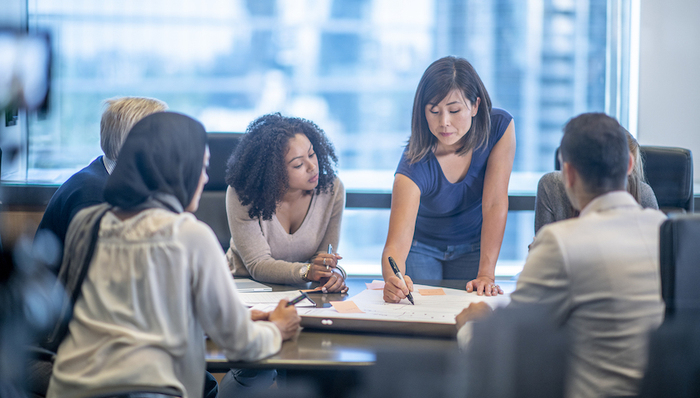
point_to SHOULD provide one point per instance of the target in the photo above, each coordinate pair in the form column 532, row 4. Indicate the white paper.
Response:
column 271, row 299
column 431, row 309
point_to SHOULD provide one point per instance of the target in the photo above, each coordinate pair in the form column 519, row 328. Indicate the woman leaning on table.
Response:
column 450, row 195
column 284, row 204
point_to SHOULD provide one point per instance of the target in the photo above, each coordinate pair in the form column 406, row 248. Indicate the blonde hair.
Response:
column 119, row 116
column 636, row 177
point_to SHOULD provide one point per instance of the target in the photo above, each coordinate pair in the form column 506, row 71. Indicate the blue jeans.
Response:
column 246, row 382
column 451, row 262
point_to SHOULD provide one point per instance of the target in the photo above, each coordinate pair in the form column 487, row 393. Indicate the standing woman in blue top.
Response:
column 450, row 196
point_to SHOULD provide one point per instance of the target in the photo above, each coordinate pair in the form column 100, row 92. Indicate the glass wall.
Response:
column 349, row 65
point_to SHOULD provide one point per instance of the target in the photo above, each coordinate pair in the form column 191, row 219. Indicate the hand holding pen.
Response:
column 324, row 270
column 397, row 286
column 326, row 261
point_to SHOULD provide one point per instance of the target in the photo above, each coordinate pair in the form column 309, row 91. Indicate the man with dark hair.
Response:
column 599, row 272
column 596, row 146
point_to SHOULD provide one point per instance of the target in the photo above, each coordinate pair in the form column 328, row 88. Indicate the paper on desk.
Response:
column 272, row 298
column 346, row 307
column 432, row 292
column 375, row 285
column 428, row 308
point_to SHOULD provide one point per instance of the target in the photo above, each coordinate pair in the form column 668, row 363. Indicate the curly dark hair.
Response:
column 257, row 171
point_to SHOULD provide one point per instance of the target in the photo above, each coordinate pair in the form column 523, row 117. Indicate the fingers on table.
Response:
column 334, row 284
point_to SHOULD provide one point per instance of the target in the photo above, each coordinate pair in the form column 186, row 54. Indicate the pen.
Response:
column 330, row 251
column 398, row 273
column 298, row 299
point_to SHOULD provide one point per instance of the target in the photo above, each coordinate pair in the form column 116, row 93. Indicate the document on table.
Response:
column 245, row 285
column 269, row 300
column 430, row 308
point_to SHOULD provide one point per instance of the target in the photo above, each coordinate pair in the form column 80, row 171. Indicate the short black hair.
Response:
column 595, row 144
column 257, row 170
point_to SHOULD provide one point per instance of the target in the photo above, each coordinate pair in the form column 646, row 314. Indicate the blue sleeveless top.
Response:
column 450, row 214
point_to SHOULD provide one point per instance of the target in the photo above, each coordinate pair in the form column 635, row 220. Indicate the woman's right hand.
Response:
column 396, row 290
column 286, row 319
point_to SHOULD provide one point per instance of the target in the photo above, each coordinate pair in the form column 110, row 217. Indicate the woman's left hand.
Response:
column 484, row 285
column 335, row 283
column 327, row 260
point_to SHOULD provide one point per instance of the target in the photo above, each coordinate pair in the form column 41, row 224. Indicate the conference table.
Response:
column 314, row 349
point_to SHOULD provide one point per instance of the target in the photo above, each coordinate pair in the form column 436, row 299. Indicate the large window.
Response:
column 349, row 65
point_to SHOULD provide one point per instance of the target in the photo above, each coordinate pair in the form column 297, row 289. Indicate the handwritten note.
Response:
column 375, row 285
column 346, row 307
column 431, row 292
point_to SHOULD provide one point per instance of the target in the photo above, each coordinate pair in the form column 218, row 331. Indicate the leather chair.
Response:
column 212, row 206
column 679, row 255
column 669, row 172
column 674, row 360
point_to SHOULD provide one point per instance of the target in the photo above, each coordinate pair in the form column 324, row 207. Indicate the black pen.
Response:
column 398, row 273
column 298, row 299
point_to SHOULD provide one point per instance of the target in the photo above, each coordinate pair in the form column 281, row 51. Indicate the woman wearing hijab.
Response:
column 158, row 279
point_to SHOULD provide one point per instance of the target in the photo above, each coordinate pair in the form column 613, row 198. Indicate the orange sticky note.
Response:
column 431, row 292
column 346, row 307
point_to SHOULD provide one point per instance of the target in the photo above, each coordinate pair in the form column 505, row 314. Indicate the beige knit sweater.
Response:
column 266, row 252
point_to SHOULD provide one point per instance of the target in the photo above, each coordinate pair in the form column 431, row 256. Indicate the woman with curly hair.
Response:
column 284, row 204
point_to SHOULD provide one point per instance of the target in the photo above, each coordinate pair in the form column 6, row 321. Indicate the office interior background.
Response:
column 352, row 67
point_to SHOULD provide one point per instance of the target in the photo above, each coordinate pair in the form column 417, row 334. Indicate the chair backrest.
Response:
column 669, row 172
column 221, row 147
column 212, row 205
column 679, row 255
column 674, row 360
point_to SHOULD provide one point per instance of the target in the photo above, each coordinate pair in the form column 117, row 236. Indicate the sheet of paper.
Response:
column 432, row 292
column 375, row 285
column 346, row 307
column 272, row 298
column 428, row 308
column 245, row 285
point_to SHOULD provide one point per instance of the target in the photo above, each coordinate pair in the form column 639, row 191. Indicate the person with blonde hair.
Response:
column 151, row 279
column 84, row 188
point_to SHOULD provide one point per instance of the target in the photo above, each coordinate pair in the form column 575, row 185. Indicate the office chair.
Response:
column 212, row 205
column 521, row 353
column 669, row 172
column 679, row 254
column 674, row 360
